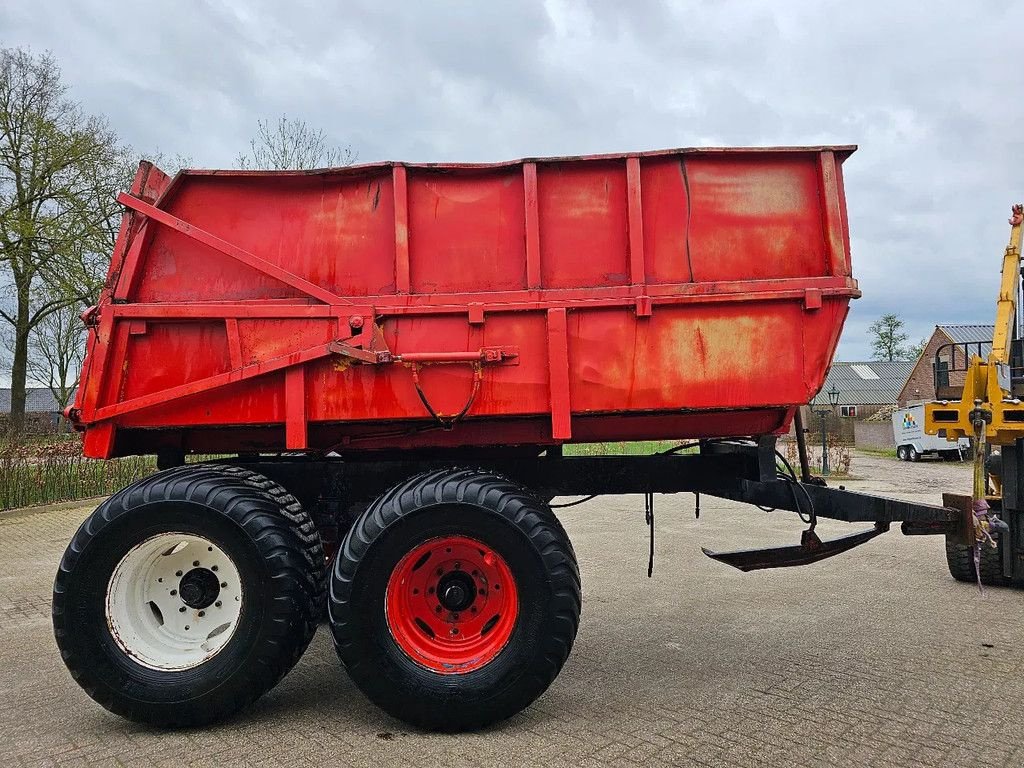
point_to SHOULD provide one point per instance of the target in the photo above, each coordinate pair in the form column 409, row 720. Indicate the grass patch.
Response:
column 885, row 453
column 43, row 472
column 624, row 448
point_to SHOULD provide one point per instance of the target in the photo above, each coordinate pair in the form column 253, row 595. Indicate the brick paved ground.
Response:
column 876, row 658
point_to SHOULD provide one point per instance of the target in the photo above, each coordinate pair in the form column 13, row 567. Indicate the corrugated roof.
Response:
column 37, row 400
column 968, row 333
column 856, row 387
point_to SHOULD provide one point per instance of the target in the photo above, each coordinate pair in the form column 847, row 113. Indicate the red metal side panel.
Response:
column 666, row 221
column 301, row 223
column 468, row 231
column 754, row 218
column 684, row 293
column 583, row 233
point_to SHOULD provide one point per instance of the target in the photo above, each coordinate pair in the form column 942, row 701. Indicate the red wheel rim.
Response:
column 452, row 604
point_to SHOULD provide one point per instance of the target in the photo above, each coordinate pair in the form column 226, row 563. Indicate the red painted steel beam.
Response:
column 832, row 214
column 533, row 279
column 634, row 210
column 504, row 301
column 400, row 182
column 558, row 374
column 295, row 422
column 233, row 251
column 212, row 382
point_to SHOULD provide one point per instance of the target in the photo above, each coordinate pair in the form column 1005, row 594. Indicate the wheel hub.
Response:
column 199, row 588
column 452, row 604
column 456, row 591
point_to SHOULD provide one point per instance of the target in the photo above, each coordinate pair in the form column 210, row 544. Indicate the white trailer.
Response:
column 912, row 443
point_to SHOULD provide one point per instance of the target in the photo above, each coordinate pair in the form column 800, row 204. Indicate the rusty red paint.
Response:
column 683, row 293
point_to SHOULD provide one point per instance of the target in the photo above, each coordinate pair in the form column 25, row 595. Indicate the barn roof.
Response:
column 869, row 383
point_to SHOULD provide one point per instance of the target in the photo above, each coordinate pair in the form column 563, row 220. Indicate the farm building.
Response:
column 863, row 389
column 944, row 361
column 42, row 412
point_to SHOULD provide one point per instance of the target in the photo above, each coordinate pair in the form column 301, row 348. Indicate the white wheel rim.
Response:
column 174, row 601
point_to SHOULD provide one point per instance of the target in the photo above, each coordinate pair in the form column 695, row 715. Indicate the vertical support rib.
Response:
column 128, row 274
column 831, row 214
column 295, row 408
column 234, row 342
column 99, row 440
column 532, row 225
column 558, row 373
column 637, row 275
column 400, row 184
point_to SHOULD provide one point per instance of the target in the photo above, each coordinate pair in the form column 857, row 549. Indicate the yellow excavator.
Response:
column 990, row 413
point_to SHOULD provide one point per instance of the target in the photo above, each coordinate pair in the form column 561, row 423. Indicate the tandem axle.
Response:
column 453, row 594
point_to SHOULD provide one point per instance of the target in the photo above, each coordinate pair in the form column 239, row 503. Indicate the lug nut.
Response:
column 217, row 604
column 174, row 592
column 214, row 568
column 223, row 584
column 182, row 609
column 177, row 573
column 195, row 563
column 201, row 614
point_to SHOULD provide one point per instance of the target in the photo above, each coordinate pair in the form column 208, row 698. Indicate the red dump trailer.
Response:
column 393, row 356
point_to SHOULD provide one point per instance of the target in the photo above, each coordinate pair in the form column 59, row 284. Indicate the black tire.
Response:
column 280, row 561
column 518, row 527
column 912, row 453
column 960, row 560
column 901, row 453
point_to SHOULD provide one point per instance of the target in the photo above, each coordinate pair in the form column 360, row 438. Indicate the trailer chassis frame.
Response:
column 744, row 471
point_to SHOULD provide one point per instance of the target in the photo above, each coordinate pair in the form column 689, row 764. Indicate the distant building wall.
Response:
column 876, row 435
column 841, row 427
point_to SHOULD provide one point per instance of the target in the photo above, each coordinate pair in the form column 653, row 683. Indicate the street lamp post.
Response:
column 821, row 411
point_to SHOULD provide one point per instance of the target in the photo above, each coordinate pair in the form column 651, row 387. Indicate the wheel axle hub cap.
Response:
column 452, row 604
column 199, row 588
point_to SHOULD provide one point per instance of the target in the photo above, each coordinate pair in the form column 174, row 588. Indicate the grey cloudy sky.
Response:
column 932, row 93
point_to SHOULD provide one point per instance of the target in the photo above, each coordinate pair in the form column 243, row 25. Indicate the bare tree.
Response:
column 56, row 351
column 60, row 169
column 291, row 143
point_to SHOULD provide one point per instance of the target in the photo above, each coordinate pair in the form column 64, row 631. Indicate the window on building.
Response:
column 942, row 373
column 848, row 411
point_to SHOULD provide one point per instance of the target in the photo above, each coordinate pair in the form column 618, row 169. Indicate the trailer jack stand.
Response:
column 811, row 549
